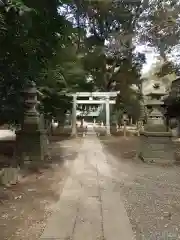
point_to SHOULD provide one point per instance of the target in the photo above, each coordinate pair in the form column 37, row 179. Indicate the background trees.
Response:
column 158, row 27
column 79, row 46
column 28, row 41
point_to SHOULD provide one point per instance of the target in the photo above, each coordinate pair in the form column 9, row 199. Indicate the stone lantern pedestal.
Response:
column 156, row 144
column 29, row 146
column 31, row 140
column 156, row 147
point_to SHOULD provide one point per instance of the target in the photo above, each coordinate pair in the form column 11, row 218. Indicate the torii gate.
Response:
column 106, row 100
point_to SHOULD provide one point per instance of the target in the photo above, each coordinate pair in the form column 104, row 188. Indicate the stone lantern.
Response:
column 31, row 139
column 31, row 116
column 67, row 118
column 154, row 105
column 155, row 140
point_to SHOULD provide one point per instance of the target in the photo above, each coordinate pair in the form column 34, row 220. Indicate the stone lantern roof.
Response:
column 155, row 96
column 155, row 113
column 157, row 90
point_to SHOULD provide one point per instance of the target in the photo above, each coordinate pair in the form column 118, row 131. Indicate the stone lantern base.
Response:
column 156, row 147
column 31, row 147
column 31, row 140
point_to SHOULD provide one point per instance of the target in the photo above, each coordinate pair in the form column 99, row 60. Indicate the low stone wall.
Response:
column 8, row 172
column 156, row 147
column 66, row 131
column 81, row 131
column 100, row 131
column 121, row 133
column 177, row 150
column 9, row 175
column 61, row 131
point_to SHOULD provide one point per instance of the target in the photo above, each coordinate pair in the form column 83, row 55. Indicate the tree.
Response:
column 23, row 50
column 129, row 103
column 31, row 33
column 109, row 24
column 105, row 67
column 47, row 42
column 158, row 27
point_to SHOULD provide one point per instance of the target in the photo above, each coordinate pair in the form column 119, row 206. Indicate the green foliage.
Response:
column 158, row 27
column 24, row 50
column 167, row 68
column 117, row 116
column 128, row 102
column 172, row 106
column 108, row 45
column 47, row 42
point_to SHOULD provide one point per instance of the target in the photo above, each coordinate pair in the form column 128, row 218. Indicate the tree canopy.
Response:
column 158, row 27
column 67, row 46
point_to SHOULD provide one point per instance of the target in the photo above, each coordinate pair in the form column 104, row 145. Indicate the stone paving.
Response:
column 90, row 207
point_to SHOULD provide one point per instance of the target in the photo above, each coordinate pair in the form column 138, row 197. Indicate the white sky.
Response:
column 151, row 57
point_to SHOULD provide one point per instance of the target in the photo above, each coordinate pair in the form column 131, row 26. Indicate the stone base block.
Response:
column 62, row 131
column 177, row 152
column 113, row 130
column 156, row 148
column 30, row 147
column 9, row 176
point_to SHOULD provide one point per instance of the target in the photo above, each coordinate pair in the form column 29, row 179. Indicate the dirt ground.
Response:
column 151, row 193
column 25, row 207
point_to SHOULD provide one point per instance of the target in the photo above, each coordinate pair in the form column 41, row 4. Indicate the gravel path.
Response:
column 89, row 208
column 151, row 193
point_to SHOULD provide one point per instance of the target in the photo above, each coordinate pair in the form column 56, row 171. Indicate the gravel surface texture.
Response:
column 151, row 193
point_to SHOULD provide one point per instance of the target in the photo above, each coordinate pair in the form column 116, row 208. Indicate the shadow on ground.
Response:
column 25, row 207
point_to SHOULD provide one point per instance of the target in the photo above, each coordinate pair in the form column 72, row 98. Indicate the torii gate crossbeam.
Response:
column 107, row 101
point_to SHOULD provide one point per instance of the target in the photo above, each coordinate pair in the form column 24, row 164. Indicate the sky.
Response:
column 151, row 57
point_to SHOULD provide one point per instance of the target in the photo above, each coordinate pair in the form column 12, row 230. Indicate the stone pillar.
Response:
column 30, row 138
column 178, row 127
column 107, row 117
column 74, row 128
column 130, row 121
column 43, row 137
column 125, row 128
column 125, row 118
column 141, row 118
column 156, row 144
column 139, row 127
column 82, row 122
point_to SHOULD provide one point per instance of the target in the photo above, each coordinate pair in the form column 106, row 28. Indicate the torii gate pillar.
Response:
column 108, row 132
column 74, row 128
